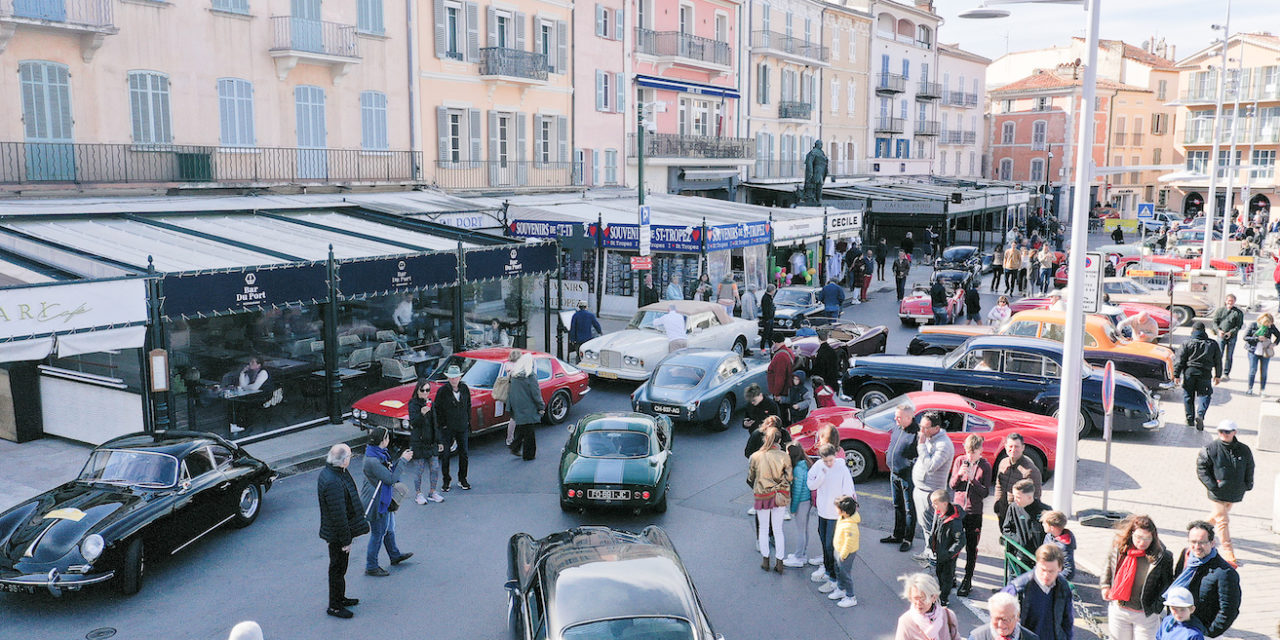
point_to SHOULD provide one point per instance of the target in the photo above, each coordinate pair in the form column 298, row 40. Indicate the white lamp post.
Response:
column 1206, row 252
column 1069, row 415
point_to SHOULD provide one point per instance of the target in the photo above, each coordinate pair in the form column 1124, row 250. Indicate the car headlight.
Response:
column 360, row 414
column 784, row 323
column 91, row 548
column 633, row 361
column 587, row 354
column 692, row 406
column 404, row 423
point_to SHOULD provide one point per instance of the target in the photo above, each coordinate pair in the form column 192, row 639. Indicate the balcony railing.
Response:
column 675, row 145
column 1204, row 94
column 512, row 63
column 1262, row 92
column 1120, row 139
column 953, row 98
column 769, row 168
column 314, row 36
column 28, row 163
column 970, row 137
column 485, row 174
column 970, row 99
column 951, row 137
column 683, row 45
column 794, row 110
column 798, row 47
column 928, row 128
column 85, row 14
column 928, row 90
column 890, row 83
column 890, row 125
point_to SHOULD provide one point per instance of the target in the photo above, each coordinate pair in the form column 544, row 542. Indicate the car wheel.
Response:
column 724, row 413
column 1083, row 424
column 132, row 569
column 1038, row 459
column 558, row 408
column 740, row 346
column 248, row 506
column 860, row 460
column 872, row 397
column 661, row 505
column 1182, row 316
column 907, row 322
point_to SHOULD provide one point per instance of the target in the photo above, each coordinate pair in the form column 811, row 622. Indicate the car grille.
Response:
column 611, row 359
column 376, row 420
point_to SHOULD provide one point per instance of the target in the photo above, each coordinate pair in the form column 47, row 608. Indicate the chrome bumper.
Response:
column 54, row 581
column 1158, row 423
column 614, row 374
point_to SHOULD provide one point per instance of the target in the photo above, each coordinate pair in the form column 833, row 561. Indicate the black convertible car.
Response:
column 139, row 497
column 964, row 257
column 797, row 307
column 1021, row 373
column 595, row 582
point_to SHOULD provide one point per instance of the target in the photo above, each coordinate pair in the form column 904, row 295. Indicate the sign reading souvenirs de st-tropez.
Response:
column 62, row 308
column 248, row 289
column 736, row 236
column 398, row 273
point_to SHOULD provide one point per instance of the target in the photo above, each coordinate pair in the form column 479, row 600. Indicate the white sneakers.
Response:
column 827, row 587
column 838, row 594
column 421, row 499
column 818, row 576
column 435, row 497
column 817, row 562
column 847, row 602
column 793, row 561
column 751, row 511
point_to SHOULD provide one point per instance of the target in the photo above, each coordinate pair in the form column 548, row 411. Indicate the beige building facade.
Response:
column 960, row 146
column 847, row 35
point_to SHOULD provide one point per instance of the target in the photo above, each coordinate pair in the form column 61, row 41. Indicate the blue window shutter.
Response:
column 620, row 88
column 617, row 24
column 562, row 132
column 600, row 90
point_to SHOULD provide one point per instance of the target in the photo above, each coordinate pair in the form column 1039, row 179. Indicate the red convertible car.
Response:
column 917, row 307
column 1161, row 315
column 562, row 386
column 864, row 433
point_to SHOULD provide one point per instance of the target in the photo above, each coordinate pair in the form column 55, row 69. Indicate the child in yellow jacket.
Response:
column 846, row 539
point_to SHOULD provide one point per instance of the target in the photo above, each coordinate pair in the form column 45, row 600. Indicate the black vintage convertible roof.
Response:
column 176, row 443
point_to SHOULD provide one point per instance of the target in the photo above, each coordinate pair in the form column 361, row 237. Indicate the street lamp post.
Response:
column 1048, row 161
column 1069, row 416
column 1211, row 204
column 1233, row 165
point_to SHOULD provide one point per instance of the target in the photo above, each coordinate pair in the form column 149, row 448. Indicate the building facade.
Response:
column 1251, row 125
column 963, row 85
column 846, row 32
column 905, row 91
column 264, row 92
column 603, row 97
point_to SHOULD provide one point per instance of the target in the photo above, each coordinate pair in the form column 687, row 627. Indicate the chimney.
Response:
column 1172, row 49
column 927, row 5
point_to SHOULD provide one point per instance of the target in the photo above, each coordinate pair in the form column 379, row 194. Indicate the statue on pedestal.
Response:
column 815, row 172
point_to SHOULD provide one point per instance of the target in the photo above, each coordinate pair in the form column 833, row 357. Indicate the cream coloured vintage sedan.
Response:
column 632, row 354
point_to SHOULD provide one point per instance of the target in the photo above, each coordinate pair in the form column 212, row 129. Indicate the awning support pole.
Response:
column 333, row 399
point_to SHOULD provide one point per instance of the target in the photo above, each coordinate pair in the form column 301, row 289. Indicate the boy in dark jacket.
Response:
column 946, row 540
column 1022, row 520
column 1046, row 605
column 1225, row 468
column 759, row 407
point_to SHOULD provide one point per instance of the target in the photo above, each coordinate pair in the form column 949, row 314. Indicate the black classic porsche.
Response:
column 139, row 497
column 596, row 582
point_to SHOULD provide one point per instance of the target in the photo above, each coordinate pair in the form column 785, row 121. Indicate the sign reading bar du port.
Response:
column 641, row 263
column 1092, row 289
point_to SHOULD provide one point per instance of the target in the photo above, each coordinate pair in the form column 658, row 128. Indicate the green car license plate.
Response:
column 608, row 494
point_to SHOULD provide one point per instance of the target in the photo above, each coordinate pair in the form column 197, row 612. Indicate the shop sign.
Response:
column 385, row 275
column 468, row 220
column 62, row 308
column 801, row 228
column 573, row 292
column 541, row 228
column 1019, row 197
column 250, row 289
column 510, row 261
column 844, row 221
column 664, row 238
column 906, row 206
column 736, row 236
column 641, row 263
column 998, row 200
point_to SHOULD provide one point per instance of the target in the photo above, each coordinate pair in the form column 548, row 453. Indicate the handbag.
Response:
column 399, row 493
column 1264, row 349
column 501, row 388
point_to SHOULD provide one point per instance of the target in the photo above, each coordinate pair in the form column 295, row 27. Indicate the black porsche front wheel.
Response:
column 247, row 506
column 129, row 580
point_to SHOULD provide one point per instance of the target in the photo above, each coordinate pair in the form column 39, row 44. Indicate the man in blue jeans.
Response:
column 938, row 299
column 832, row 298
column 1227, row 321
column 901, row 456
column 1199, row 359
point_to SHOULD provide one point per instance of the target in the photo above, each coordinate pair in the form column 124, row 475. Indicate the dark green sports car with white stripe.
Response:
column 617, row 459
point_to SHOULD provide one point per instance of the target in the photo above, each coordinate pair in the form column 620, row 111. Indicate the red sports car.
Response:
column 1161, row 315
column 864, row 433
column 562, row 386
column 917, row 307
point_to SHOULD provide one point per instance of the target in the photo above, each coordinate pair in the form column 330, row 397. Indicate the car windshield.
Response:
column 792, row 298
column 1138, row 287
column 614, row 444
column 130, row 468
column 678, row 376
column 957, row 254
column 649, row 628
column 479, row 374
column 646, row 320
column 879, row 418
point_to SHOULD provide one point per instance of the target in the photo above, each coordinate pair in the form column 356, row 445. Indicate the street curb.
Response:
column 313, row 459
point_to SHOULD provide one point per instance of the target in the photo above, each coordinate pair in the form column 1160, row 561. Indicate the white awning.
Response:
column 20, row 350
column 708, row 174
column 74, row 344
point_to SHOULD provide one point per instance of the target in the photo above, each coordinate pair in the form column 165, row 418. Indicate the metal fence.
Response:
column 83, row 13
column 514, row 63
column 790, row 44
column 674, row 145
column 890, row 125
column 929, row 90
column 314, row 36
column 890, row 82
column 928, row 128
column 682, row 45
column 795, row 110
column 775, row 168
column 29, row 163
column 485, row 174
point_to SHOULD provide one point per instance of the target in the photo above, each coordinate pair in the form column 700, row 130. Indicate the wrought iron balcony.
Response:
column 29, row 163
column 313, row 41
column 789, row 46
column 970, row 99
column 521, row 174
column 890, row 83
column 675, row 145
column 1120, row 139
column 794, row 110
column 1137, row 139
column 928, row 90
column 953, row 98
column 684, row 48
column 91, row 20
column 512, row 65
column 773, row 168
column 890, row 125
column 928, row 128
column 951, row 137
column 970, row 137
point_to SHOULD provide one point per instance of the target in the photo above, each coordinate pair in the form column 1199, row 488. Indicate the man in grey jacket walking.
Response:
column 933, row 464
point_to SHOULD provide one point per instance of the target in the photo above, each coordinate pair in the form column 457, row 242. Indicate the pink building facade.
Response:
column 603, row 98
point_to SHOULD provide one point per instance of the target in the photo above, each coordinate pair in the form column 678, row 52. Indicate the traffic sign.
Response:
column 645, row 233
column 1108, row 386
column 1146, row 210
column 641, row 263
column 1092, row 289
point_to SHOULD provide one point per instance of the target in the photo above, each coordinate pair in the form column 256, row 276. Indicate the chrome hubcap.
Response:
column 248, row 502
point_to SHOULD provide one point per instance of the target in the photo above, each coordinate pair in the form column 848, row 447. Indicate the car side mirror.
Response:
column 570, row 428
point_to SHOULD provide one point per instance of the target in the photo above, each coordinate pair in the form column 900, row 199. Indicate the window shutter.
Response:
column 366, row 120
column 562, row 131
column 562, row 46
column 442, row 28
column 493, row 147
column 226, row 113
column 442, row 133
column 521, row 21
column 521, row 151
column 473, row 31
column 473, row 133
column 491, row 17
column 595, row 167
column 766, row 85
column 600, row 26
column 620, row 88
column 537, row 41
column 600, row 95
column 617, row 24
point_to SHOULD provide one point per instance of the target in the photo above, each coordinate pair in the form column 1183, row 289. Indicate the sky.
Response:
column 1184, row 23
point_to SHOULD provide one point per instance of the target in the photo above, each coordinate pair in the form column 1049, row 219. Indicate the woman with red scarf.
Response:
column 1139, row 569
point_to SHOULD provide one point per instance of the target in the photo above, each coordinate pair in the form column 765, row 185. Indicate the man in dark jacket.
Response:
column 901, row 267
column 778, row 375
column 908, row 245
column 648, row 292
column 1022, row 521
column 1227, row 321
column 832, row 299
column 882, row 256
column 452, row 408
column 901, row 456
column 1225, row 467
column 759, row 407
column 946, row 540
column 583, row 326
column 767, row 312
column 381, row 474
column 1198, row 361
column 1046, row 606
column 1013, row 467
column 826, row 362
column 938, row 299
column 1005, row 613
column 341, row 521
column 1213, row 582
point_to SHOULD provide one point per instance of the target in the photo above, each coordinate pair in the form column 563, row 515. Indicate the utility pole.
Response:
column 1210, row 206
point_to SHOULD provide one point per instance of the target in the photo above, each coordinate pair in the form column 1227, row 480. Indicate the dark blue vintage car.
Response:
column 964, row 257
column 797, row 307
column 596, row 582
column 1017, row 372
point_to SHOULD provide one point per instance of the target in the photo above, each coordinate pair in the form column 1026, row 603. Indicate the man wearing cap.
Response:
column 582, row 327
column 1214, row 584
column 1225, row 467
column 1180, row 624
column 452, row 406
